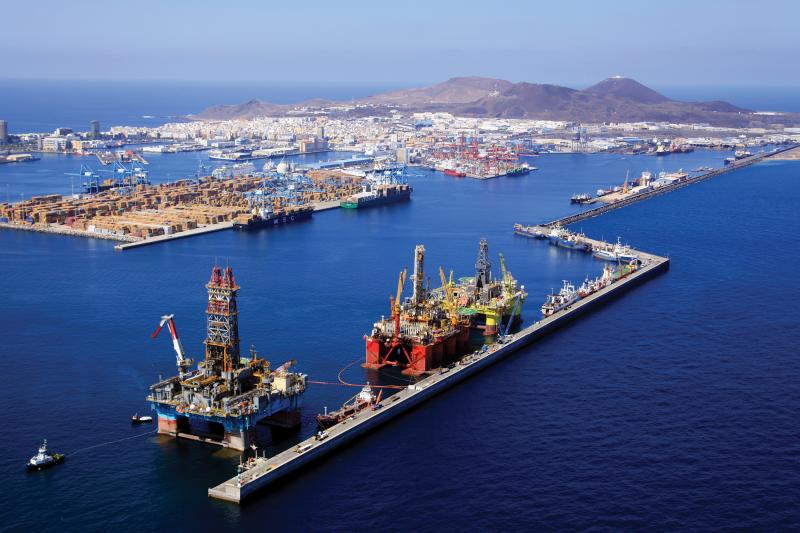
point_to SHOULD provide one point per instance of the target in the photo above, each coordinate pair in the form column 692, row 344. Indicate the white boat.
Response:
column 556, row 302
column 43, row 460
column 136, row 419
column 617, row 253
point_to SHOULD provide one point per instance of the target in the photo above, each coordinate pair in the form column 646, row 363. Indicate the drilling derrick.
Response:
column 222, row 340
column 418, row 296
column 483, row 267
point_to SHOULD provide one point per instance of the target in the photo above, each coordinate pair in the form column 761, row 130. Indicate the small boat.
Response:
column 136, row 419
column 43, row 460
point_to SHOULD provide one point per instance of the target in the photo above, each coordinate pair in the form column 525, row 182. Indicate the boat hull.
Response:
column 256, row 224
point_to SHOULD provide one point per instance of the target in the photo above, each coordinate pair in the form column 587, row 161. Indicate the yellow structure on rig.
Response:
column 493, row 303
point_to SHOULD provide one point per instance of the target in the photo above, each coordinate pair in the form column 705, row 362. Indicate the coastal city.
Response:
column 117, row 200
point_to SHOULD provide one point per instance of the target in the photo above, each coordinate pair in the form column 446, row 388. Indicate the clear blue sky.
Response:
column 672, row 42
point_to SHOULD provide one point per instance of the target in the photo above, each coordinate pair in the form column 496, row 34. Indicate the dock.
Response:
column 211, row 228
column 266, row 471
column 597, row 211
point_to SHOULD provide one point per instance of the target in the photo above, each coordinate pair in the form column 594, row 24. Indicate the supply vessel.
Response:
column 223, row 399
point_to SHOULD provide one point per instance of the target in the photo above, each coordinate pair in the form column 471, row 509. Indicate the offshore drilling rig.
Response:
column 423, row 333
column 223, row 399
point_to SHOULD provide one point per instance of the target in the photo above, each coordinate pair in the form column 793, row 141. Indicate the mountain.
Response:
column 453, row 91
column 615, row 99
column 626, row 88
column 250, row 109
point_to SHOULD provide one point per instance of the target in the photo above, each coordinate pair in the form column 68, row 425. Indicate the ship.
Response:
column 423, row 333
column 572, row 241
column 617, row 252
column 580, row 198
column 536, row 232
column 377, row 195
column 493, row 304
column 454, row 173
column 556, row 302
column 226, row 395
column 237, row 169
column 43, row 460
column 365, row 399
column 266, row 217
column 590, row 286
column 521, row 170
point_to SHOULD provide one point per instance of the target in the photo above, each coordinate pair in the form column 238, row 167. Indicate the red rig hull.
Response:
column 414, row 357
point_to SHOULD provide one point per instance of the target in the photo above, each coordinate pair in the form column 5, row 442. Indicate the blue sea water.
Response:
column 673, row 407
column 35, row 105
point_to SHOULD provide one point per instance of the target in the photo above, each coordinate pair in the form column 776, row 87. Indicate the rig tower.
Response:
column 222, row 338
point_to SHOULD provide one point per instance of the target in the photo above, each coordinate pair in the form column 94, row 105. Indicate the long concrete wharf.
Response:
column 319, row 206
column 571, row 219
column 266, row 471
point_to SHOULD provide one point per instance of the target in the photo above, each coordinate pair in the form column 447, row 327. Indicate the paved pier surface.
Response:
column 668, row 188
column 269, row 470
column 179, row 235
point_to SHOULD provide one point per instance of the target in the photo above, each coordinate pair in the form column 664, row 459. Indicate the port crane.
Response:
column 183, row 362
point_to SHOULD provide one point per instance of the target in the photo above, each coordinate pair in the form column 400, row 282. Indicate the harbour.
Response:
column 266, row 471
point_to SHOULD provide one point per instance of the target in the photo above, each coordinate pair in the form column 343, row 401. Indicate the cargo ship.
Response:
column 423, row 333
column 223, row 399
column 377, row 195
column 269, row 218
column 490, row 303
column 520, row 170
column 454, row 173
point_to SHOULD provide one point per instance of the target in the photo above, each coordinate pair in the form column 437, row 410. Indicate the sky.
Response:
column 404, row 43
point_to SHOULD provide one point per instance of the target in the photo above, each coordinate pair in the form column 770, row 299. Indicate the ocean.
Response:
column 672, row 407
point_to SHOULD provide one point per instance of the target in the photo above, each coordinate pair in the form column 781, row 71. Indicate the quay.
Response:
column 211, row 228
column 747, row 161
column 263, row 472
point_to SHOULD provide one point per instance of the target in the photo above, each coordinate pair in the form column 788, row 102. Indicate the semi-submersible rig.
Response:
column 431, row 329
column 223, row 399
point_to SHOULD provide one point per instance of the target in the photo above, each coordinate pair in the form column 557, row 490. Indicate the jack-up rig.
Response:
column 223, row 399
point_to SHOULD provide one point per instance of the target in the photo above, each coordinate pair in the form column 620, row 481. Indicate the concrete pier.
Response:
column 597, row 211
column 266, row 471
column 179, row 235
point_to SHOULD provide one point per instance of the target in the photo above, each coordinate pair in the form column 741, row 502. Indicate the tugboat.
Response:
column 136, row 419
column 354, row 405
column 43, row 460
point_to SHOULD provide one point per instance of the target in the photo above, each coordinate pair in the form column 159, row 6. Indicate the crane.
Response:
column 449, row 304
column 183, row 362
column 503, row 268
column 396, row 302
